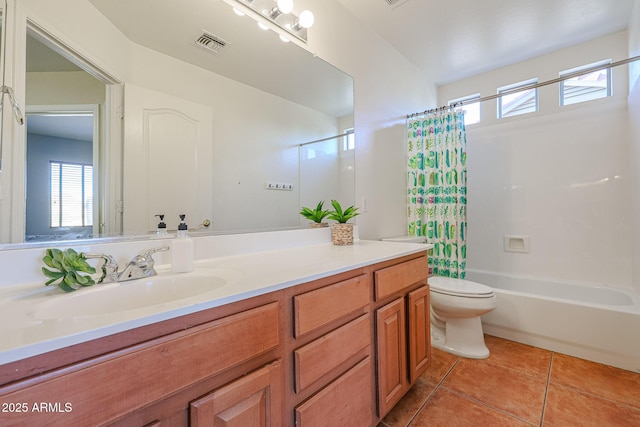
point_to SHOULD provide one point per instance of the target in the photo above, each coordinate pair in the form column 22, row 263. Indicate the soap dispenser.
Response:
column 161, row 232
column 182, row 250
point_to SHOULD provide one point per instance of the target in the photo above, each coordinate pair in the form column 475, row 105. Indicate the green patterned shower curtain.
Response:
column 437, row 189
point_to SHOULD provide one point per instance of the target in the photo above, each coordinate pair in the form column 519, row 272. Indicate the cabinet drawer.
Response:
column 391, row 280
column 345, row 402
column 318, row 308
column 103, row 390
column 252, row 400
column 317, row 359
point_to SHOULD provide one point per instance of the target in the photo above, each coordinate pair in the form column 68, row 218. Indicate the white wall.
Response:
column 56, row 88
column 559, row 176
column 634, row 135
column 387, row 88
column 250, row 143
column 319, row 173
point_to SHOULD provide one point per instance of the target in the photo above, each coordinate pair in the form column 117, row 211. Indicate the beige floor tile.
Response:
column 521, row 357
column 448, row 409
column 605, row 381
column 506, row 389
column 570, row 407
column 410, row 404
column 509, row 389
column 441, row 364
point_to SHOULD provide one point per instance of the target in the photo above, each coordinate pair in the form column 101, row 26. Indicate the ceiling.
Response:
column 453, row 39
column 68, row 126
column 252, row 56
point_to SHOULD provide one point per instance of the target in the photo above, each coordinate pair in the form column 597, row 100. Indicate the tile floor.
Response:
column 519, row 385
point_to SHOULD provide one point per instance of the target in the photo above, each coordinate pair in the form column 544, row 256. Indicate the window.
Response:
column 519, row 102
column 349, row 140
column 71, row 194
column 471, row 110
column 585, row 87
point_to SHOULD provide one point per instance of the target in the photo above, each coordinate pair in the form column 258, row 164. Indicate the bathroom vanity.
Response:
column 311, row 336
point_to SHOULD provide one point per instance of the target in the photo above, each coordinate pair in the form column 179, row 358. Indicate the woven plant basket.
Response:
column 319, row 224
column 342, row 234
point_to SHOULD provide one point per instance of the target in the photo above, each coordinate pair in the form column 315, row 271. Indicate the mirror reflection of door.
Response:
column 60, row 178
column 63, row 126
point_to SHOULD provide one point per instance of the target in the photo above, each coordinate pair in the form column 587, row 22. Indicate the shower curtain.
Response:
column 437, row 188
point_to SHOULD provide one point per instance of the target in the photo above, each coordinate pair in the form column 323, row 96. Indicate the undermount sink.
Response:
column 118, row 297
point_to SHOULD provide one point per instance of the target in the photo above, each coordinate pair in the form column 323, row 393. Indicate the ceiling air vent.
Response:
column 211, row 42
column 395, row 3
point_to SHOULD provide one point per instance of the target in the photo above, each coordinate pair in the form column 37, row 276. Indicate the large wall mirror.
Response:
column 203, row 132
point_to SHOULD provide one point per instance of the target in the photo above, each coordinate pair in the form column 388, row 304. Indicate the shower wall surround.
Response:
column 560, row 176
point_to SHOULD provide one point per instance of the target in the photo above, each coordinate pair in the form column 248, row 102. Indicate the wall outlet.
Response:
column 364, row 206
column 269, row 185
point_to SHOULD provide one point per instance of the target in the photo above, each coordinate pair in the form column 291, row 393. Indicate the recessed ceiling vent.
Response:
column 395, row 3
column 211, row 42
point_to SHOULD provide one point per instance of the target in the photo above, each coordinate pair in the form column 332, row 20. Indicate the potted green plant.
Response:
column 342, row 232
column 316, row 215
column 69, row 269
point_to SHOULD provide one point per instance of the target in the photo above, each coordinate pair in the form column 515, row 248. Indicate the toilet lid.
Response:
column 459, row 287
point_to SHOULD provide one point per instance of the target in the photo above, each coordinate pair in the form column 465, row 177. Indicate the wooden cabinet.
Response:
column 320, row 307
column 253, row 400
column 392, row 354
column 318, row 358
column 344, row 402
column 402, row 330
column 419, row 332
column 113, row 387
column 332, row 348
column 340, row 351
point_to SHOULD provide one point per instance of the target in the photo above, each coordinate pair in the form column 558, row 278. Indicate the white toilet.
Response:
column 456, row 307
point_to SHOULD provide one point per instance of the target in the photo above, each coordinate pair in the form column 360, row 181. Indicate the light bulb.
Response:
column 284, row 39
column 285, row 6
column 306, row 19
column 263, row 26
column 239, row 13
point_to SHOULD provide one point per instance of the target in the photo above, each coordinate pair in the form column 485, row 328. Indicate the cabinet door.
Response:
column 392, row 354
column 419, row 333
column 344, row 402
column 253, row 400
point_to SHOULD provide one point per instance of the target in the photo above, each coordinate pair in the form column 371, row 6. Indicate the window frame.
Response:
column 513, row 87
column 86, row 217
column 348, row 140
column 475, row 97
column 586, row 69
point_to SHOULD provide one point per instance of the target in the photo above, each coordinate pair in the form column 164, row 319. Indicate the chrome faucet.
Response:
column 140, row 266
column 109, row 267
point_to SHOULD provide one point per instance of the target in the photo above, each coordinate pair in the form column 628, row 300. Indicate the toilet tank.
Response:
column 406, row 239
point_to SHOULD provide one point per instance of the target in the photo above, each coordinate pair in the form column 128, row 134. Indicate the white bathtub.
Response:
column 596, row 323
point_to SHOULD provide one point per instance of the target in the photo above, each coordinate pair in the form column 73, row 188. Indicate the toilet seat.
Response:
column 459, row 287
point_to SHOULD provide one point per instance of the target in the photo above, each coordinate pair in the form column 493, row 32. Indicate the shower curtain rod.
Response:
column 349, row 132
column 527, row 87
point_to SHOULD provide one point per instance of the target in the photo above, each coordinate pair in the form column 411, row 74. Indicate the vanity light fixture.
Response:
column 283, row 7
column 280, row 14
column 306, row 20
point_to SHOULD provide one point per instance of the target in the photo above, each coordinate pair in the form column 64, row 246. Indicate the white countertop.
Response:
column 25, row 332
